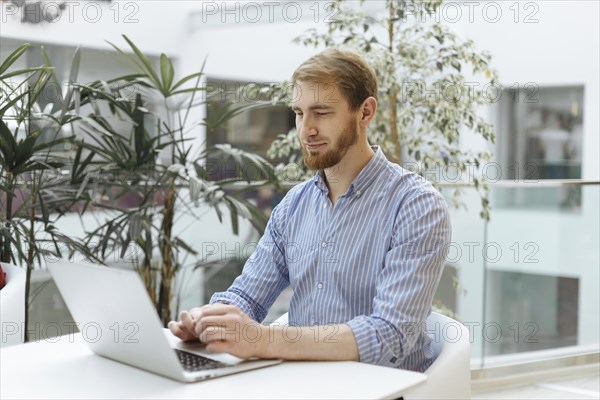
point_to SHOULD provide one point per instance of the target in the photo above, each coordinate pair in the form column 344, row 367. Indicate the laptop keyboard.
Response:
column 193, row 362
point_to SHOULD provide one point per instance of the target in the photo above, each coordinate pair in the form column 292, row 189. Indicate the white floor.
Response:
column 587, row 387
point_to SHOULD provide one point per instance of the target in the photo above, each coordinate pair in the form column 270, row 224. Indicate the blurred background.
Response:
column 526, row 282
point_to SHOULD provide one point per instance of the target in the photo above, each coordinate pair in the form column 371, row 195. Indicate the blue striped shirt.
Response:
column 372, row 261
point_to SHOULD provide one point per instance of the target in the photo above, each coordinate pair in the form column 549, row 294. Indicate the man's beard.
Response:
column 330, row 158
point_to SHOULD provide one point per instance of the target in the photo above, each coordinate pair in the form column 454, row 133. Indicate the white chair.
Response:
column 449, row 377
column 12, row 305
column 283, row 320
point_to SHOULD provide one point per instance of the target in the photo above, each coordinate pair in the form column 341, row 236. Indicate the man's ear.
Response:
column 367, row 111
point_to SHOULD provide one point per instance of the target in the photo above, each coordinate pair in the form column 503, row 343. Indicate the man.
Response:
column 362, row 244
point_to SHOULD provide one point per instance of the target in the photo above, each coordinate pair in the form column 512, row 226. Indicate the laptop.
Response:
column 118, row 320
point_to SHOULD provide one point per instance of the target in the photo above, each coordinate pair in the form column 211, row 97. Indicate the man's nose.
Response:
column 307, row 127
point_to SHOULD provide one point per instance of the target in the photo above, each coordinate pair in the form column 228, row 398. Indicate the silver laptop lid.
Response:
column 116, row 316
column 117, row 319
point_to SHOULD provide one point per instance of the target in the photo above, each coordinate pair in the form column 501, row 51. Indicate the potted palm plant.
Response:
column 32, row 196
column 142, row 134
column 127, row 148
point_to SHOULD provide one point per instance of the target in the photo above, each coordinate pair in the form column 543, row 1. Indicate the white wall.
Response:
column 255, row 52
column 155, row 26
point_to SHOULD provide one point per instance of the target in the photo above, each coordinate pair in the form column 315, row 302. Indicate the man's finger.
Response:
column 207, row 321
column 187, row 321
column 187, row 324
column 172, row 325
column 177, row 329
column 196, row 312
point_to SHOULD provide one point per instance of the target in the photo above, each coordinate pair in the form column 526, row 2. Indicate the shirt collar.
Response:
column 319, row 180
column 364, row 178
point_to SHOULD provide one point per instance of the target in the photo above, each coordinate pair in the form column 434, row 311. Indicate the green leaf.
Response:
column 12, row 58
column 148, row 68
column 11, row 103
column 251, row 212
column 75, row 64
column 234, row 217
column 23, row 71
column 48, row 63
column 8, row 145
column 74, row 71
column 128, row 57
column 456, row 65
column 166, row 71
column 24, row 149
column 187, row 79
column 177, row 242
column 39, row 86
column 190, row 90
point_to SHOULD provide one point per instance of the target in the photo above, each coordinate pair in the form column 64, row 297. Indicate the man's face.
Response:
column 326, row 127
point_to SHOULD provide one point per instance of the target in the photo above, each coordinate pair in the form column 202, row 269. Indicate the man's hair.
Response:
column 352, row 75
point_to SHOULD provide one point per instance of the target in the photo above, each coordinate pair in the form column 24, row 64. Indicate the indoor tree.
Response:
column 431, row 86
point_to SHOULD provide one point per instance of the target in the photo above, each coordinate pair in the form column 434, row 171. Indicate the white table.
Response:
column 65, row 368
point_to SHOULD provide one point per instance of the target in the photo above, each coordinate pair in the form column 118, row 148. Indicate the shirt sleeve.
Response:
column 265, row 273
column 406, row 285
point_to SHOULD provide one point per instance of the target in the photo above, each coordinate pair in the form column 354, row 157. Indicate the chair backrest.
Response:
column 449, row 377
column 283, row 320
column 12, row 305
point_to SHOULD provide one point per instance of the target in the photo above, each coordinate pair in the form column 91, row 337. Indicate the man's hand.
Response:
column 224, row 328
column 185, row 328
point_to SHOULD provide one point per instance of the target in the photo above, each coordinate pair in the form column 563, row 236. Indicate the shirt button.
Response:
column 324, row 244
column 358, row 193
column 324, row 205
column 320, row 285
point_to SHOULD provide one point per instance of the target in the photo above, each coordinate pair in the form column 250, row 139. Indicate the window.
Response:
column 540, row 133
column 252, row 130
column 533, row 312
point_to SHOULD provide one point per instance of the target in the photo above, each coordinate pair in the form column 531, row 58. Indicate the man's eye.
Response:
column 322, row 113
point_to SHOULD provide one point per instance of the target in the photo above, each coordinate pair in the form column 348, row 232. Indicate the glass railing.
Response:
column 527, row 282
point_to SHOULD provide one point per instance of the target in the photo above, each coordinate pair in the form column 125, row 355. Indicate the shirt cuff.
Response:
column 233, row 299
column 367, row 340
column 370, row 342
